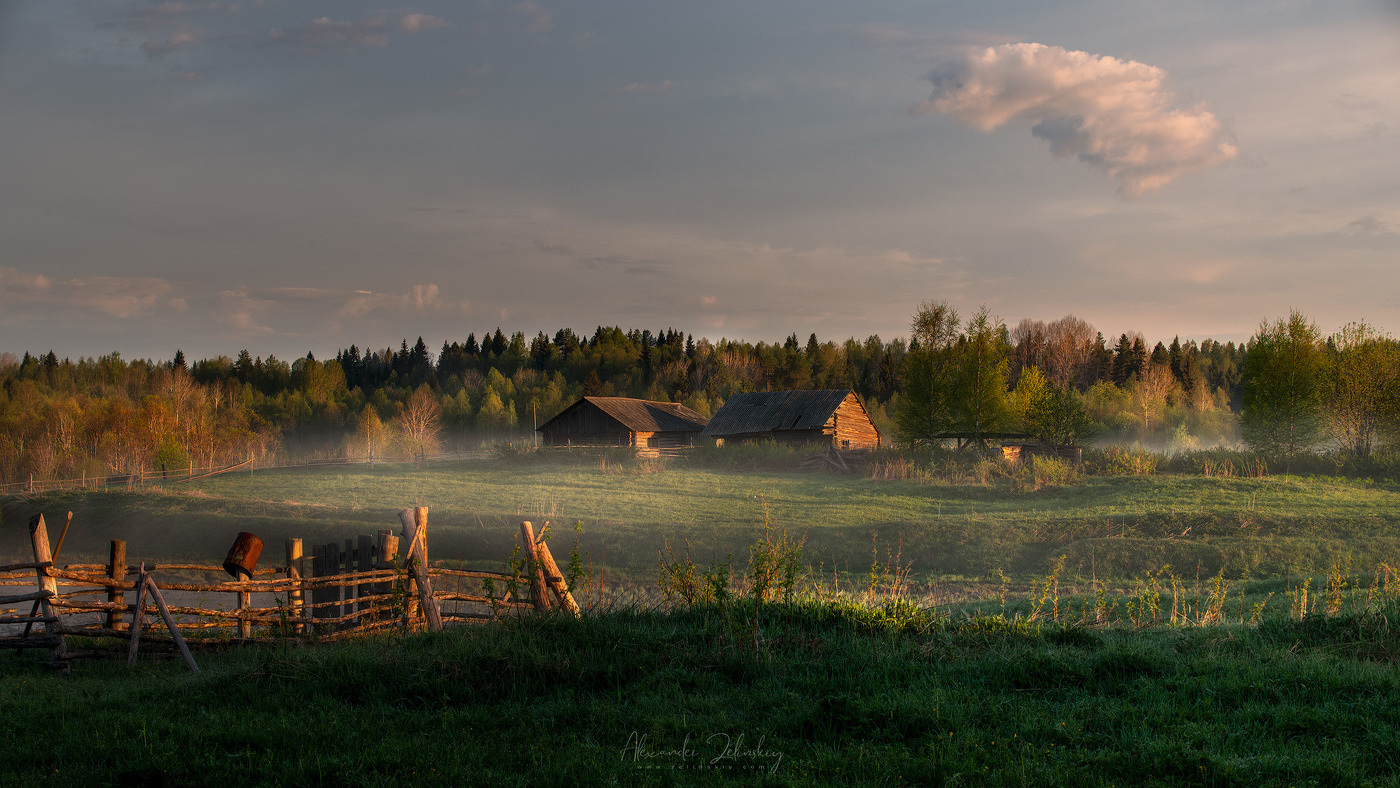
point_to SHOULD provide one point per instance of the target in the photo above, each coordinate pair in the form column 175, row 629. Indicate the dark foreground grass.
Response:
column 822, row 693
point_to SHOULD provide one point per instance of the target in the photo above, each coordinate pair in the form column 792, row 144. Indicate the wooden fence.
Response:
column 360, row 586
column 136, row 478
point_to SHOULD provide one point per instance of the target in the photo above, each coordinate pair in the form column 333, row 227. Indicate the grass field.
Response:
column 820, row 694
column 1112, row 527
column 824, row 691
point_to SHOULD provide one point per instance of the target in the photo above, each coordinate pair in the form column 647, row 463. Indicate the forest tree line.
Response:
column 96, row 416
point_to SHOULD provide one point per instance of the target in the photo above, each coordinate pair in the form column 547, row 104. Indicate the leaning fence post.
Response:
column 536, row 569
column 39, row 537
column 138, row 615
column 116, row 570
column 170, row 625
column 415, row 526
column 555, row 580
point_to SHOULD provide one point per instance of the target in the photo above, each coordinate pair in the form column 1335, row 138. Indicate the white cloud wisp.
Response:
column 1117, row 115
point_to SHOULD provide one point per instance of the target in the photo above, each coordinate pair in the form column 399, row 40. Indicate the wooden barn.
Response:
column 833, row 417
column 620, row 421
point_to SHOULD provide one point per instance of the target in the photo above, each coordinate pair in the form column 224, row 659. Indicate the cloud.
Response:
column 243, row 312
column 624, row 263
column 312, row 309
column 1117, row 115
column 411, row 24
column 643, row 88
column 1370, row 225
column 114, row 296
column 157, row 49
column 372, row 31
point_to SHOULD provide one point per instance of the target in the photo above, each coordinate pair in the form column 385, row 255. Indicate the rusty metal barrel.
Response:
column 243, row 556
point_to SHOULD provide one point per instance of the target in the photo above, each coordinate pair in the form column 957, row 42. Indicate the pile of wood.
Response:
column 834, row 459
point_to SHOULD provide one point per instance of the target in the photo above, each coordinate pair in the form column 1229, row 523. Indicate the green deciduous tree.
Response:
column 1284, row 379
column 1052, row 414
column 979, row 393
column 930, row 370
column 1365, row 386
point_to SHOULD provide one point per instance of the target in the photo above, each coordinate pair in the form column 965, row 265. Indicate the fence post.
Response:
column 245, row 625
column 388, row 554
column 351, row 591
column 415, row 526
column 295, row 597
column 116, row 570
column 555, row 580
column 364, row 562
column 536, row 568
column 318, row 569
column 39, row 537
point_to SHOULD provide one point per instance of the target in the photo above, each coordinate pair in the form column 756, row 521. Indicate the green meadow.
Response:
column 1100, row 668
column 1109, row 527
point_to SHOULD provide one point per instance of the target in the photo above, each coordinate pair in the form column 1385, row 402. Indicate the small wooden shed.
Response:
column 621, row 421
column 830, row 416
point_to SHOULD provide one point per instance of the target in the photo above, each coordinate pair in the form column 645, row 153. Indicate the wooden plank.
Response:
column 31, row 597
column 37, row 641
column 28, row 565
column 27, row 619
column 438, row 571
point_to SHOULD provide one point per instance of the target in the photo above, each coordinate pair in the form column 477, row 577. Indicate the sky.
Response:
column 298, row 175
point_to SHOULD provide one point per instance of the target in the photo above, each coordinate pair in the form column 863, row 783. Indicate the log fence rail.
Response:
column 343, row 589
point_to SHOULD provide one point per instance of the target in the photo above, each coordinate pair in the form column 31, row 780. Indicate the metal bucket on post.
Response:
column 243, row 556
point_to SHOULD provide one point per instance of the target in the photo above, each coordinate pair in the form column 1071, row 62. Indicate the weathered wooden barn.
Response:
column 620, row 421
column 832, row 416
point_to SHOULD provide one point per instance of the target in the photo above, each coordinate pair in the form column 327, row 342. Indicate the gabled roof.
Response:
column 765, row 411
column 641, row 415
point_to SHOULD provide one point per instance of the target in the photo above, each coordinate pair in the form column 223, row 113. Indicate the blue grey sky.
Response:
column 297, row 175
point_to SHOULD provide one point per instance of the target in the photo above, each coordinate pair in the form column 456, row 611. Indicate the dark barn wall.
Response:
column 586, row 425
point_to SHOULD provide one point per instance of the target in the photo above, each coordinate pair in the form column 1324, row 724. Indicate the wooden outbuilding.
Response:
column 833, row 417
column 621, row 421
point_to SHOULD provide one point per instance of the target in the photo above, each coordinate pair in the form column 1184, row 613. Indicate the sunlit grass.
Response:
column 1116, row 526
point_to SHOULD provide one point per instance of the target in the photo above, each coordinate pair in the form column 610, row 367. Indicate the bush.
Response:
column 1122, row 461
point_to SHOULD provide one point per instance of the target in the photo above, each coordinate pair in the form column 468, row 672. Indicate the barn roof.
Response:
column 765, row 411
column 641, row 415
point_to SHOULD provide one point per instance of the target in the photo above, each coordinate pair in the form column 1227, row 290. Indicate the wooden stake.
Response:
column 555, row 580
column 39, row 537
column 245, row 627
column 296, row 599
column 34, row 611
column 137, row 617
column 536, row 569
column 116, row 570
column 170, row 625
column 415, row 525
column 58, row 548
